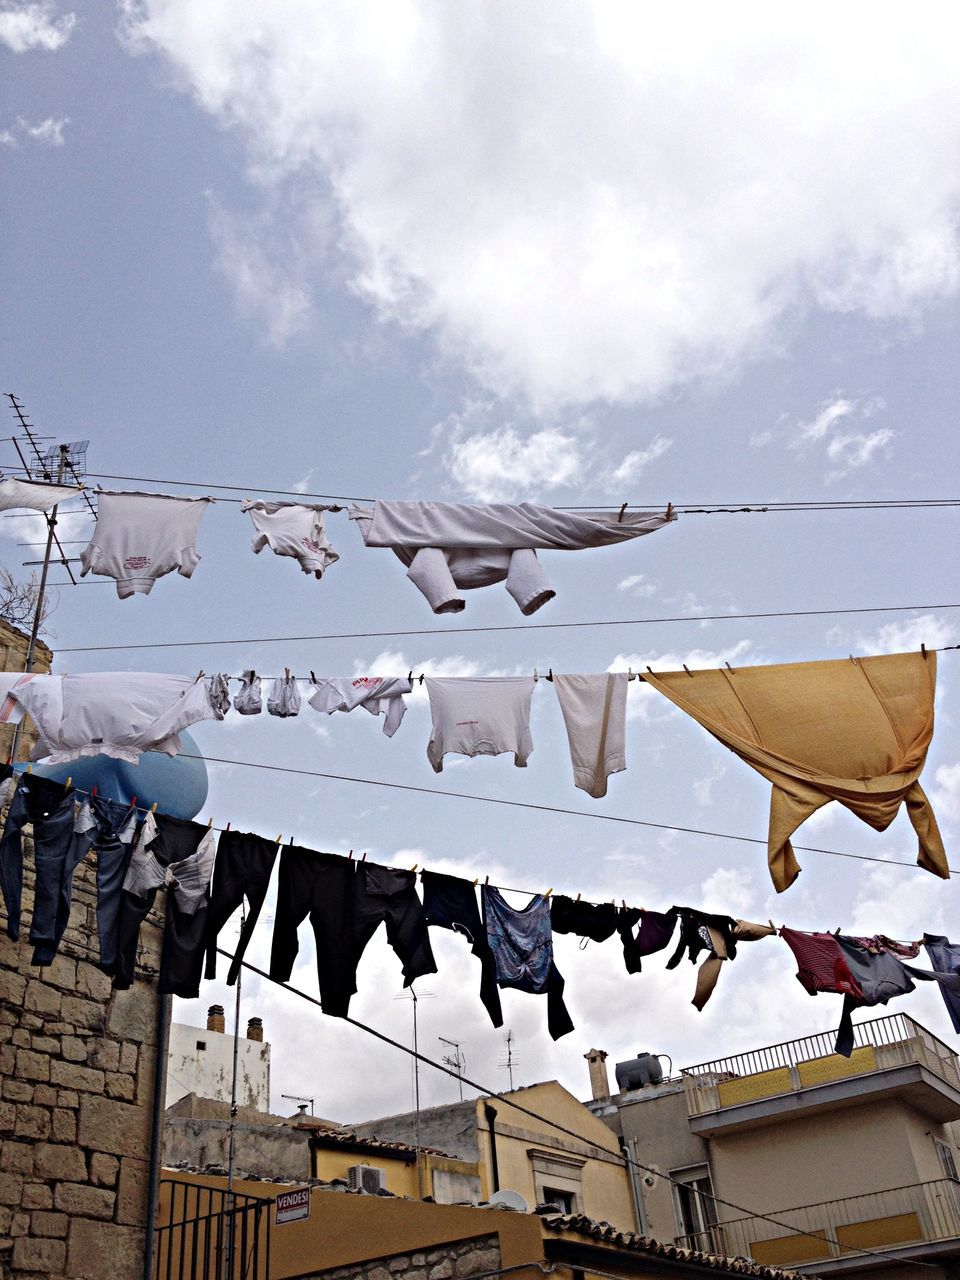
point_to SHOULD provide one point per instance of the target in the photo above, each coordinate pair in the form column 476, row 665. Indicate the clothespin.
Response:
column 623, row 903
column 486, row 879
column 535, row 675
column 286, row 673
column 669, row 510
column 650, row 669
column 410, row 677
column 620, row 516
column 199, row 677
column 687, row 670
column 93, row 790
column 476, row 882
column 69, row 780
column 414, row 867
column 923, row 650
column 548, row 893
column 279, row 839
column 577, row 899
column 227, row 827
column 729, row 668
column 153, row 807
column 29, row 768
column 133, row 803
column 550, row 675
column 421, row 677
column 630, row 673
column 351, row 855
column 852, row 659
column 363, row 856
column 210, row 825
column 290, row 842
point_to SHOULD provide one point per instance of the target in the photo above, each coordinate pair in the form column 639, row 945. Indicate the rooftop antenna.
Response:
column 511, row 1060
column 298, row 1097
column 428, row 995
column 457, row 1060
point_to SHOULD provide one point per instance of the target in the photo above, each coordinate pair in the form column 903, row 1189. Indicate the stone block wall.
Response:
column 77, row 1067
column 454, row 1261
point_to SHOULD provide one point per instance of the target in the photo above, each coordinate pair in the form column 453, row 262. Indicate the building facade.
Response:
column 200, row 1061
column 839, row 1164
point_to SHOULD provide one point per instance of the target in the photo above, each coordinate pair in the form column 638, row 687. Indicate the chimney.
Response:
column 255, row 1029
column 215, row 1020
column 599, row 1084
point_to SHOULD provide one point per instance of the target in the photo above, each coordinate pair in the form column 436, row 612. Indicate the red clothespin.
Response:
column 93, row 790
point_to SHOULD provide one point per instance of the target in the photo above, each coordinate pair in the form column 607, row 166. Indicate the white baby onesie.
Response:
column 113, row 713
column 380, row 695
column 454, row 546
column 292, row 529
column 595, row 713
column 480, row 717
column 38, row 497
column 141, row 536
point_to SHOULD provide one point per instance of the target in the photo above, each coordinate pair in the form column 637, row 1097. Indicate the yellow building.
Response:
column 343, row 1236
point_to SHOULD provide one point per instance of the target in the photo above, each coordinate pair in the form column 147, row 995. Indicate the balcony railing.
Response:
column 883, row 1220
column 879, row 1045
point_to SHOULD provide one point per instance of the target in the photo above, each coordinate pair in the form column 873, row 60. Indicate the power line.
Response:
column 509, row 1099
column 539, row 808
column 528, row 626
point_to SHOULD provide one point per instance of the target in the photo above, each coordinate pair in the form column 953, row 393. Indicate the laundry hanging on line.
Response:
column 140, row 537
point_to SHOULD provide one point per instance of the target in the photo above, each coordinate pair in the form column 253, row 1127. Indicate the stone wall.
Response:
column 13, row 657
column 76, row 1094
column 447, row 1262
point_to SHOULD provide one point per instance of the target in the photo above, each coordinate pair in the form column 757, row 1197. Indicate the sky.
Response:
column 577, row 253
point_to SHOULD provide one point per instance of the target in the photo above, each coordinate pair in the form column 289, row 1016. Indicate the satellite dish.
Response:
column 508, row 1199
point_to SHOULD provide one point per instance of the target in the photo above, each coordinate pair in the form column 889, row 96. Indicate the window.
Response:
column 563, row 1200
column 201, row 1045
column 947, row 1163
column 695, row 1207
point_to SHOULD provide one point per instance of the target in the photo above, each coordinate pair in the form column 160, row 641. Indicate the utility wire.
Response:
column 528, row 626
column 540, row 808
column 509, row 1099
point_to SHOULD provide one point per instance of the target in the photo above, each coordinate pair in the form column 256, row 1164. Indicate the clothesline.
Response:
column 689, row 508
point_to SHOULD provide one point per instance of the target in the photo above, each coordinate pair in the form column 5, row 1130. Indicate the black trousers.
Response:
column 451, row 903
column 388, row 895
column 318, row 885
column 243, row 869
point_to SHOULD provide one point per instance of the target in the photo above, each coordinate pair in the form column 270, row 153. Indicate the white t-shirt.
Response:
column 292, row 529
column 38, row 497
column 380, row 695
column 142, row 536
column 480, row 717
column 113, row 713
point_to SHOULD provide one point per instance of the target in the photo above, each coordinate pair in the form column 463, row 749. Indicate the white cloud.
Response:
column 637, row 584
column 35, row 26
column 247, row 256
column 946, row 791
column 832, row 412
column 649, row 704
column 851, row 452
column 498, row 465
column 730, row 891
column 46, row 133
column 595, row 201
column 7, row 138
column 909, row 633
column 635, row 463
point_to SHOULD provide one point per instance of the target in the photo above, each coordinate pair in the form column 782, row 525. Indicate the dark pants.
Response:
column 243, row 869
column 387, row 895
column 49, row 808
column 111, row 817
column 318, row 885
column 451, row 903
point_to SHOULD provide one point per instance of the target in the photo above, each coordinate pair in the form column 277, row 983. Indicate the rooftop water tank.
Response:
column 644, row 1069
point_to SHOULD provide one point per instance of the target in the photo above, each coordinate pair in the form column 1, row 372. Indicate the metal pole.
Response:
column 231, row 1152
column 416, row 1095
column 156, row 1129
column 41, row 593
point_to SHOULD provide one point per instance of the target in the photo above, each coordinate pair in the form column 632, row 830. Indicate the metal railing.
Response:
column 879, row 1045
column 208, row 1233
column 881, row 1220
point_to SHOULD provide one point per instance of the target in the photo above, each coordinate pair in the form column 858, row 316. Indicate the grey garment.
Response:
column 284, row 697
column 441, row 574
column 219, row 694
column 881, row 976
column 188, row 877
column 86, row 820
column 944, row 955
column 249, row 701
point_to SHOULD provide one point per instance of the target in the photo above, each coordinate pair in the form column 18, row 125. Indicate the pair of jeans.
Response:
column 387, row 895
column 49, row 808
column 243, row 868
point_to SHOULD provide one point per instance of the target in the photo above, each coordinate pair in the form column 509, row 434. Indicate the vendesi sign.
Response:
column 293, row 1205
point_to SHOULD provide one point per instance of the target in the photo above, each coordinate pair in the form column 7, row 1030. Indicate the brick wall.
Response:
column 76, row 1094
column 447, row 1262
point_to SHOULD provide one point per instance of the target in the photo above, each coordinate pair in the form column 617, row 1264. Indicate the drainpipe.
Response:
column 491, row 1116
column 629, row 1149
column 156, row 1129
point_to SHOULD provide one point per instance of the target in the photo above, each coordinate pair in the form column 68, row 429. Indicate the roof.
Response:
column 603, row 1231
column 356, row 1142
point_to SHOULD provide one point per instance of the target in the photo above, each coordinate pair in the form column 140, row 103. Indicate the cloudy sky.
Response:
column 580, row 253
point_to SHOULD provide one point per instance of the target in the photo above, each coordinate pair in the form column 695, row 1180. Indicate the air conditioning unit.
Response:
column 366, row 1178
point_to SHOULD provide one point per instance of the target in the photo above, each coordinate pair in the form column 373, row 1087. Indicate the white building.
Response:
column 200, row 1061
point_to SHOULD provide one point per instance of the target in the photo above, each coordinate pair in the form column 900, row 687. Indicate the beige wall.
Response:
column 659, row 1128
column 829, row 1156
column 531, row 1154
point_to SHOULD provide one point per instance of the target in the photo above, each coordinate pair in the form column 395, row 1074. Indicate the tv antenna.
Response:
column 511, row 1060
column 298, row 1097
column 427, row 995
column 457, row 1060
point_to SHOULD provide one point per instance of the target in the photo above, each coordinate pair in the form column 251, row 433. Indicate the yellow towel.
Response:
column 856, row 731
